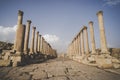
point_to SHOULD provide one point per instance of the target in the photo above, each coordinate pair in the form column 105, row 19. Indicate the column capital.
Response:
column 20, row 12
column 40, row 35
column 24, row 25
column 29, row 21
column 37, row 32
column 99, row 13
column 34, row 27
column 91, row 22
column 84, row 27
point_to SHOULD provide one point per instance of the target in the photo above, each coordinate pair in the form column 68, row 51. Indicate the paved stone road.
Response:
column 57, row 69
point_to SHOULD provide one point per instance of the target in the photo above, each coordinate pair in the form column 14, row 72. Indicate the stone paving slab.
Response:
column 58, row 69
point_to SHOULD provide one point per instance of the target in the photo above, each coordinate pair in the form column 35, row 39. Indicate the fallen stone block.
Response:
column 5, row 63
column 104, row 62
column 116, row 66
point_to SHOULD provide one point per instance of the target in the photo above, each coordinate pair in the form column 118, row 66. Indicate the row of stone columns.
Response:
column 80, row 44
column 37, row 44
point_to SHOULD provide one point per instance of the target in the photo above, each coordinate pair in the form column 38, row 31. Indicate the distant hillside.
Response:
column 5, row 46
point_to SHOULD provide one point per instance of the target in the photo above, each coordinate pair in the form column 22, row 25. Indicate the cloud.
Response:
column 7, row 33
column 56, row 42
column 112, row 2
column 51, row 38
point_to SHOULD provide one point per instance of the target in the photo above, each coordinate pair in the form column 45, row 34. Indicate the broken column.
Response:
column 102, row 33
column 27, row 37
column 32, row 40
column 86, row 39
column 93, row 47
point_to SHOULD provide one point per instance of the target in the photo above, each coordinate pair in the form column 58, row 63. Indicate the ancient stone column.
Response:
column 39, row 43
column 82, row 43
column 19, row 41
column 32, row 41
column 27, row 36
column 37, row 35
column 19, row 23
column 86, row 39
column 79, row 45
column 77, row 48
column 38, row 47
column 42, row 45
column 74, row 47
column 75, row 43
column 93, row 47
column 20, row 34
column 102, row 33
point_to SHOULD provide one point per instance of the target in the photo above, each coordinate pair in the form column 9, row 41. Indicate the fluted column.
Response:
column 32, row 41
column 82, row 43
column 102, row 33
column 27, row 36
column 37, row 35
column 86, row 39
column 93, row 47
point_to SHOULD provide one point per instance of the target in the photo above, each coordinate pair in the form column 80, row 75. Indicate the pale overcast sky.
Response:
column 60, row 20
